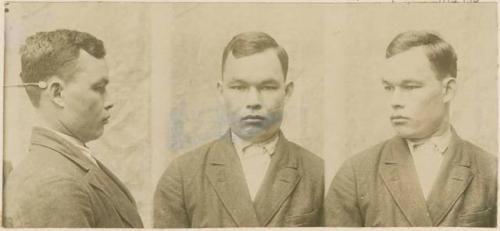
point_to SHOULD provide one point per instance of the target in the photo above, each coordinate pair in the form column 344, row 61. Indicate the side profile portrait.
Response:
column 252, row 176
column 426, row 175
column 60, row 184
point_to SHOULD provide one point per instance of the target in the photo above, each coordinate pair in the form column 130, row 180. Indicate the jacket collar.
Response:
column 98, row 176
column 399, row 175
column 50, row 139
column 226, row 176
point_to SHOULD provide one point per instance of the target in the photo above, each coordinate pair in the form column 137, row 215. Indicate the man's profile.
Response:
column 252, row 176
column 60, row 183
column 426, row 175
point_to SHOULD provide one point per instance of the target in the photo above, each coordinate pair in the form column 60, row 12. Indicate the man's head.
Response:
column 421, row 81
column 73, row 66
column 253, row 85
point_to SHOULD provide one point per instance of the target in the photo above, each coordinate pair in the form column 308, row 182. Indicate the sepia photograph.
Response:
column 249, row 114
column 76, row 130
column 412, row 115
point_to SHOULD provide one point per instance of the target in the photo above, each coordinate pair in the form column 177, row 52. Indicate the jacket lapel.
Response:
column 454, row 177
column 281, row 179
column 225, row 174
column 97, row 176
column 102, row 179
column 116, row 181
column 400, row 177
column 49, row 139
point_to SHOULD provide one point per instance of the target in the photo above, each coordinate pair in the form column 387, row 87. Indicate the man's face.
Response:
column 85, row 109
column 417, row 98
column 254, row 92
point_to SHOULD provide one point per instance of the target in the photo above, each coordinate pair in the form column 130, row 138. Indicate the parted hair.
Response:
column 440, row 53
column 53, row 53
column 249, row 43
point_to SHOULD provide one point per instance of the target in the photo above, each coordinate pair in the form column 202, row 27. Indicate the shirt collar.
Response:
column 440, row 142
column 268, row 145
column 74, row 141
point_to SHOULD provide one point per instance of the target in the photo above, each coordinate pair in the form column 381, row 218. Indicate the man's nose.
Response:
column 253, row 99
column 397, row 99
column 108, row 105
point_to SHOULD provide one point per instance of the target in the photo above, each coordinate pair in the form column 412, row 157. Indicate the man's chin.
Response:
column 94, row 136
column 252, row 134
column 405, row 133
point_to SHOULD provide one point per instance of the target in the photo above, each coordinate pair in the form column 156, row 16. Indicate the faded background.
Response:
column 165, row 60
column 125, row 30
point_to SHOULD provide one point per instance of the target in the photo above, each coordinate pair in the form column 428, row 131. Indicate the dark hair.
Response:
column 52, row 53
column 440, row 53
column 249, row 43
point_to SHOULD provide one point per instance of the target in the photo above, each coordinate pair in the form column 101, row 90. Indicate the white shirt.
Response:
column 427, row 157
column 76, row 142
column 255, row 159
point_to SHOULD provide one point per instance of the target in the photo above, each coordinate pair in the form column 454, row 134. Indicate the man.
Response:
column 426, row 175
column 252, row 176
column 60, row 183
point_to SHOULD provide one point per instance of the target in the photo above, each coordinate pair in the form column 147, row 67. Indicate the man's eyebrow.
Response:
column 410, row 81
column 237, row 81
column 103, row 80
column 385, row 82
column 269, row 81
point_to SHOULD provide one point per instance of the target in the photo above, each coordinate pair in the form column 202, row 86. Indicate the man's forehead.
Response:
column 253, row 80
column 86, row 59
column 90, row 69
column 414, row 57
column 259, row 67
column 411, row 65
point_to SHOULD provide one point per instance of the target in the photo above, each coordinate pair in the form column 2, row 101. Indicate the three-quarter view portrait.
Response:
column 177, row 115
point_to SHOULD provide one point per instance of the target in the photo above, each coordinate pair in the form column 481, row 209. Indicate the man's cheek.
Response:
column 94, row 107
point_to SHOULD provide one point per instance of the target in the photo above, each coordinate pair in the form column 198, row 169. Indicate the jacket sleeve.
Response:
column 55, row 203
column 169, row 207
column 341, row 206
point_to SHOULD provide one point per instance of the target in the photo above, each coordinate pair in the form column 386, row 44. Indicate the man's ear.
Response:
column 220, row 89
column 55, row 87
column 220, row 86
column 449, row 88
column 288, row 90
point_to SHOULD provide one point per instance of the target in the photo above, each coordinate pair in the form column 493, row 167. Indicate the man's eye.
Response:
column 267, row 88
column 100, row 89
column 237, row 87
column 411, row 87
column 388, row 88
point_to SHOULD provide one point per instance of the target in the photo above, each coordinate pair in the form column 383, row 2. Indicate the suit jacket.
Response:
column 207, row 188
column 380, row 187
column 57, row 186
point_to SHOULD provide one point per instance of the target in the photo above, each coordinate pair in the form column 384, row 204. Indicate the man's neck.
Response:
column 260, row 141
column 57, row 126
column 440, row 130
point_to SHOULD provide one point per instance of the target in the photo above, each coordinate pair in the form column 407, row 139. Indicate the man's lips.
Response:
column 253, row 118
column 105, row 120
column 399, row 118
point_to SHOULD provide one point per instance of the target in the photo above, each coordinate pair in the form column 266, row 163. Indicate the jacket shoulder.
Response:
column 194, row 158
column 368, row 158
column 485, row 161
column 44, row 163
column 187, row 165
column 308, row 158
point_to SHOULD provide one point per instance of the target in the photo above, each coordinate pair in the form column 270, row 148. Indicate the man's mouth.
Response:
column 105, row 120
column 253, row 118
column 399, row 119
